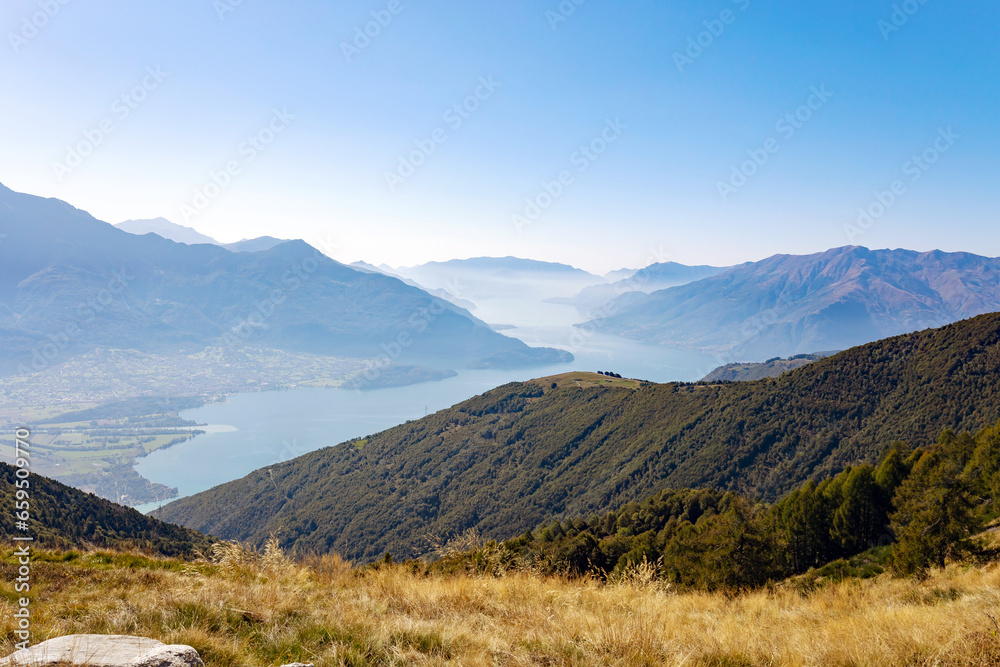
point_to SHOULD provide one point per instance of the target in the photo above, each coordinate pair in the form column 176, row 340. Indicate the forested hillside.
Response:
column 516, row 456
column 63, row 517
column 914, row 510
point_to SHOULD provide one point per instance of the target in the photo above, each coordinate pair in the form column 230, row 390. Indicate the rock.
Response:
column 104, row 651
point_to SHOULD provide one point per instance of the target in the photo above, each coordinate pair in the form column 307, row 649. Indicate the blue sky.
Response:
column 314, row 133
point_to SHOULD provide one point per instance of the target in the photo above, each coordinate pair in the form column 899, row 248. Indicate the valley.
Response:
column 275, row 426
column 100, row 412
column 508, row 334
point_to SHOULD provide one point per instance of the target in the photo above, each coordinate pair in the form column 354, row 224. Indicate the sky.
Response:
column 598, row 134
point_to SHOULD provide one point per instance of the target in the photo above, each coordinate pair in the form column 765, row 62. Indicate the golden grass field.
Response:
column 244, row 608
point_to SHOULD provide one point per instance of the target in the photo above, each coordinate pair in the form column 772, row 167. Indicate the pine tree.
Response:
column 806, row 520
column 859, row 521
column 935, row 514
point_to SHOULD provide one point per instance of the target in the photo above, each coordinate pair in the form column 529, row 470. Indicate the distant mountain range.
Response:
column 504, row 290
column 259, row 244
column 166, row 229
column 70, row 283
column 497, row 277
column 181, row 234
column 788, row 304
column 566, row 447
column 649, row 279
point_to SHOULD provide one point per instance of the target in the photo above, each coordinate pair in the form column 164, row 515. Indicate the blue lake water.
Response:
column 254, row 430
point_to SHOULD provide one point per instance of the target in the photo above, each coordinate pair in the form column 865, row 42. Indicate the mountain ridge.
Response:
column 166, row 229
column 793, row 304
column 655, row 277
column 70, row 282
column 526, row 452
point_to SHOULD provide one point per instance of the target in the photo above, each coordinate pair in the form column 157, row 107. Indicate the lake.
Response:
column 254, row 430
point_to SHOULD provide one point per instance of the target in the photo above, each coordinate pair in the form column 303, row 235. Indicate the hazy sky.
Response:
column 643, row 110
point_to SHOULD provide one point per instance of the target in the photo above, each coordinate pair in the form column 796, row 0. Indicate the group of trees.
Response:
column 62, row 517
column 916, row 509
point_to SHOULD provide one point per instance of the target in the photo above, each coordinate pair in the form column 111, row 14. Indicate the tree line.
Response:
column 917, row 508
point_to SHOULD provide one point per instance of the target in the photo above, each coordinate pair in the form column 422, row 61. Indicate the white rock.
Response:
column 104, row 651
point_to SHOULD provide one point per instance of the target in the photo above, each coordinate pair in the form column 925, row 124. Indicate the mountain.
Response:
column 70, row 283
column 650, row 279
column 619, row 274
column 505, row 290
column 772, row 368
column 166, row 229
column 65, row 517
column 506, row 460
column 497, row 277
column 253, row 245
column 368, row 268
column 181, row 234
column 789, row 304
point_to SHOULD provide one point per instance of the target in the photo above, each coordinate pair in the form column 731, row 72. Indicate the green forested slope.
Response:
column 64, row 517
column 915, row 510
column 525, row 452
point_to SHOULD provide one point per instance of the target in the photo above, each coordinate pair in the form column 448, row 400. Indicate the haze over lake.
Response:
column 269, row 427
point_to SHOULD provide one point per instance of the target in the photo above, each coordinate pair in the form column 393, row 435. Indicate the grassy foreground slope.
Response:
column 518, row 455
column 240, row 612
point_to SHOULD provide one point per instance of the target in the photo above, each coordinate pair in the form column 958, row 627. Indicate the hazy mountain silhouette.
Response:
column 504, row 290
column 70, row 283
column 166, row 229
column 181, row 234
column 253, row 245
column 791, row 304
column 649, row 279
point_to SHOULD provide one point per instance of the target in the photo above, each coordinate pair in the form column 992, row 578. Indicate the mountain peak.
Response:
column 791, row 304
column 168, row 230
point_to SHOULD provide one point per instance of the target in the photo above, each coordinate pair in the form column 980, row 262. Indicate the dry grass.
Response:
column 249, row 608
